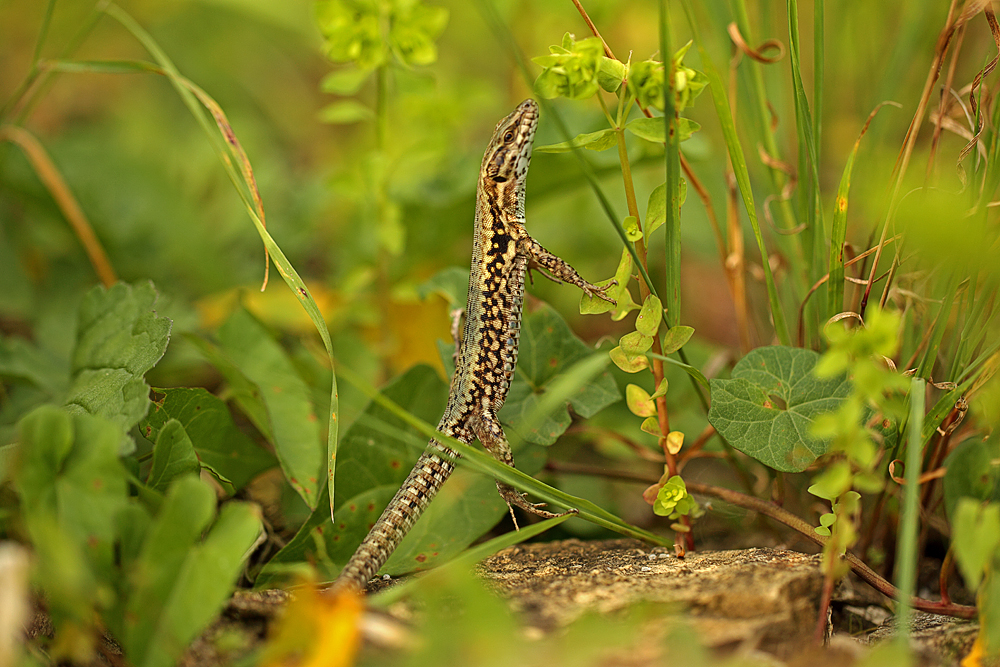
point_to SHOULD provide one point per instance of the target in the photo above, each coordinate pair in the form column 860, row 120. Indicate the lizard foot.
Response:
column 600, row 292
column 513, row 497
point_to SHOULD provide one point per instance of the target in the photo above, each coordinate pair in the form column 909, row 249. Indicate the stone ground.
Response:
column 760, row 603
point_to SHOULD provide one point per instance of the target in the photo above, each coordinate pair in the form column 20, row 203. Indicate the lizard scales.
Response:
column 487, row 353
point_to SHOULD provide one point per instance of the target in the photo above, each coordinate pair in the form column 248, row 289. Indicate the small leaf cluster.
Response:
column 645, row 82
column 861, row 424
column 367, row 32
column 670, row 498
column 576, row 69
column 972, row 500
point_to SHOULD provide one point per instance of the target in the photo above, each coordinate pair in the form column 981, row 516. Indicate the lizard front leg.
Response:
column 560, row 270
column 487, row 428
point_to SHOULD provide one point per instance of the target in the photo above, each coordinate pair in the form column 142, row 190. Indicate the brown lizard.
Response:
column 502, row 251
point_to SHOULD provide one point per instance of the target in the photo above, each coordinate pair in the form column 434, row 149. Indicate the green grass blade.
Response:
column 724, row 112
column 838, row 232
column 672, row 161
column 760, row 114
column 906, row 548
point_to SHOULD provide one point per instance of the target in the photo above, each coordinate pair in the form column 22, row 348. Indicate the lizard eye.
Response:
column 509, row 136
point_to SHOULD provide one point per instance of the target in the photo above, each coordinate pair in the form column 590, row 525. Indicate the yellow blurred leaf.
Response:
column 317, row 630
column 675, row 440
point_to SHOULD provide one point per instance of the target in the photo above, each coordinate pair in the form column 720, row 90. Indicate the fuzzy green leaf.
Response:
column 119, row 338
column 767, row 408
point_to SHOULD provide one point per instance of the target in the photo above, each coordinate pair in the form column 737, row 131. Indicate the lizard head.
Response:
column 505, row 164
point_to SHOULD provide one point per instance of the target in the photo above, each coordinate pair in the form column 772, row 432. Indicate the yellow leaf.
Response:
column 675, row 440
column 318, row 630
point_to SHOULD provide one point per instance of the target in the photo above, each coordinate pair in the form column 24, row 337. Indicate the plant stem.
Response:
column 640, row 249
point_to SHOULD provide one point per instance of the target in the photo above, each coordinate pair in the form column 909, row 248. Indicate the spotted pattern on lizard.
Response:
column 487, row 354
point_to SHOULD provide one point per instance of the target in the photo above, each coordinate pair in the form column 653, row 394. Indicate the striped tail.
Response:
column 422, row 484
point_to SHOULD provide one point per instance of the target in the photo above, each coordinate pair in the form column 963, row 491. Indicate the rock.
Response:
column 756, row 599
column 938, row 640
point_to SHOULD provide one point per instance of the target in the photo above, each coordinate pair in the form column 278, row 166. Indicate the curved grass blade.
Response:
column 228, row 148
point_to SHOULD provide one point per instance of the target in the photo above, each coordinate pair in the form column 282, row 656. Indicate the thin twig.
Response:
column 54, row 183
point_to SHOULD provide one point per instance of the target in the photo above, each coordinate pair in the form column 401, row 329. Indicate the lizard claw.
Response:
column 593, row 291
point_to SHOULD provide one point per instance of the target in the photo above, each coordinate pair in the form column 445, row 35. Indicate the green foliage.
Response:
column 220, row 447
column 673, row 500
column 577, row 70
column 125, row 538
column 278, row 401
column 151, row 574
column 645, row 81
column 353, row 31
column 548, row 352
column 767, row 409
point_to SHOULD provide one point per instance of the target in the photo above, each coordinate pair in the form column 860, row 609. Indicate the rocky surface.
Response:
column 755, row 599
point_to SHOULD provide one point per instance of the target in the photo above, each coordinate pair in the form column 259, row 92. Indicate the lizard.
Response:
column 487, row 353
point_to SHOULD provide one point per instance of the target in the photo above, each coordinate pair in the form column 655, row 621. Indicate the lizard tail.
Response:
column 427, row 476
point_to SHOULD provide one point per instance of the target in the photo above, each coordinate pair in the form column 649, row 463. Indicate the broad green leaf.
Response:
column 610, row 74
column 187, row 510
column 651, row 425
column 173, row 456
column 243, row 391
column 595, row 141
column 619, row 293
column 676, row 338
column 975, row 538
column 548, row 349
column 180, row 581
column 628, row 364
column 635, row 343
column 119, row 338
column 649, row 317
column 204, row 583
column 295, row 428
column 767, row 408
column 972, row 471
column 345, row 81
column 650, row 129
column 345, row 112
column 70, row 473
column 591, row 305
column 222, row 448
